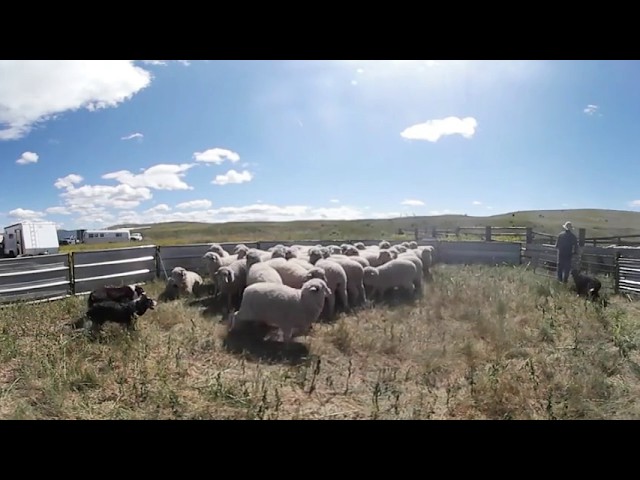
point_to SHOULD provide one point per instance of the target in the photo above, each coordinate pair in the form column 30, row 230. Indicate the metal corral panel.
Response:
column 488, row 253
column 34, row 278
column 186, row 256
column 629, row 281
column 118, row 266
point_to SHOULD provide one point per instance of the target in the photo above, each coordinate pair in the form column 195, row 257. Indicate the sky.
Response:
column 94, row 143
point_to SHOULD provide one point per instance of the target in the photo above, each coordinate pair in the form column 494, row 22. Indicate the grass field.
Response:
column 596, row 222
column 483, row 342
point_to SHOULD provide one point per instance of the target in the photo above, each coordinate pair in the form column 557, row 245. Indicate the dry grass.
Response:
column 498, row 343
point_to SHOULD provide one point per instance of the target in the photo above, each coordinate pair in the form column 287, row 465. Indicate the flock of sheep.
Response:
column 292, row 287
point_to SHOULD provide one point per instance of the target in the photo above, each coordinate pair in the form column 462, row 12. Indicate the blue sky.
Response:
column 94, row 143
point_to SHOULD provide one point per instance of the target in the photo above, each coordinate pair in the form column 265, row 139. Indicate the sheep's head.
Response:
column 217, row 248
column 326, row 252
column 384, row 244
column 413, row 245
column 385, row 256
column 279, row 251
column 344, row 247
column 316, row 286
column 212, row 258
column 241, row 251
column 351, row 251
column 316, row 272
column 405, row 244
column 360, row 246
column 315, row 254
column 335, row 250
column 290, row 253
column 401, row 248
column 224, row 276
column 253, row 257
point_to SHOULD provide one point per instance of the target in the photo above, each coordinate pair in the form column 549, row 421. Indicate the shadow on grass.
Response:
column 249, row 339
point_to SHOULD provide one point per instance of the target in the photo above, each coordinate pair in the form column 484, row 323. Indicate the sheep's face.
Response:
column 385, row 256
column 318, row 287
column 352, row 251
column 290, row 253
column 360, row 246
column 384, row 244
column 316, row 272
column 401, row 248
column 241, row 251
column 213, row 258
column 253, row 257
column 224, row 276
column 326, row 253
column 278, row 252
column 315, row 254
column 413, row 245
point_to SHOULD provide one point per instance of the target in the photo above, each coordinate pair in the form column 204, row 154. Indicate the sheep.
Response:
column 384, row 245
column 419, row 269
column 398, row 273
column 121, row 294
column 290, row 309
column 217, row 248
column 292, row 273
column 412, row 245
column 214, row 261
column 336, row 278
column 425, row 254
column 370, row 256
column 353, row 254
column 586, row 285
column 111, row 311
column 185, row 279
column 240, row 251
column 302, row 262
column 231, row 282
column 359, row 245
column 260, row 272
column 353, row 270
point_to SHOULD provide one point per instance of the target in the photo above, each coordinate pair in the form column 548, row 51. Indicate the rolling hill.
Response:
column 596, row 221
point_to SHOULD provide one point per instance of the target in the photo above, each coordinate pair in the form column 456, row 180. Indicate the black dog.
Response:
column 123, row 313
column 585, row 285
column 125, row 293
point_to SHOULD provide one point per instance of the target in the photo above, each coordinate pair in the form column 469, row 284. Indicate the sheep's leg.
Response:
column 287, row 334
column 362, row 295
column 342, row 292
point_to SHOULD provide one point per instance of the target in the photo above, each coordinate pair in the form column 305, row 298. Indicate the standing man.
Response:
column 567, row 246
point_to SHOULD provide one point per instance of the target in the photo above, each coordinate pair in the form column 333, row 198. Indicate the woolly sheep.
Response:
column 302, row 262
column 384, row 244
column 419, row 269
column 292, row 273
column 353, row 270
column 359, row 245
column 240, row 251
column 289, row 309
column 231, row 281
column 186, row 279
column 260, row 272
column 217, row 248
column 336, row 278
column 412, row 244
column 398, row 273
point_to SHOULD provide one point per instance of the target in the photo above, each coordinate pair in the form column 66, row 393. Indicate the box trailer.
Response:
column 30, row 238
column 106, row 236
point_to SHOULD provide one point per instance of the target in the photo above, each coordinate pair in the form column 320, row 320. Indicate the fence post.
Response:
column 416, row 234
column 157, row 261
column 487, row 233
column 616, row 278
column 434, row 232
column 529, row 235
column 72, row 277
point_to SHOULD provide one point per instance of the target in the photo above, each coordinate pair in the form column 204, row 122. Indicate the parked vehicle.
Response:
column 30, row 238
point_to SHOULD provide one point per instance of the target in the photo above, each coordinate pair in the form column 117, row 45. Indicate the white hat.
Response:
column 567, row 226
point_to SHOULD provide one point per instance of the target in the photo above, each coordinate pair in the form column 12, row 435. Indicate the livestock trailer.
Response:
column 106, row 236
column 30, row 238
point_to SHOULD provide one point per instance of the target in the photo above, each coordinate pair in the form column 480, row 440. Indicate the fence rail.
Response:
column 47, row 277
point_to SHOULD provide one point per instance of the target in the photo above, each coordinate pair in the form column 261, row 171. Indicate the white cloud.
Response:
column 634, row 203
column 591, row 109
column 446, row 211
column 58, row 211
column 334, row 200
column 162, row 207
column 413, row 203
column 160, row 177
column 21, row 214
column 68, row 181
column 476, row 202
column 216, row 155
column 132, row 136
column 95, row 199
column 194, row 204
column 33, row 91
column 27, row 157
column 433, row 130
column 233, row 177
column 164, row 63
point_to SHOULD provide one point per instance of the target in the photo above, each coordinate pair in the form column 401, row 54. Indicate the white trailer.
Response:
column 30, row 238
column 106, row 236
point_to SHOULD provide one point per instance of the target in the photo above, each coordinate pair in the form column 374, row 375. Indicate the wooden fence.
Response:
column 48, row 277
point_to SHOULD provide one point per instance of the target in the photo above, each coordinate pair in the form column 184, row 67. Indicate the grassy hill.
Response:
column 597, row 222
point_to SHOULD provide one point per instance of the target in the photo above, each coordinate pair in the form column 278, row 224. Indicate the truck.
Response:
column 30, row 238
column 106, row 236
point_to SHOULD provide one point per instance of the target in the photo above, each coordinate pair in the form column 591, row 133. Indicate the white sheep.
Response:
column 424, row 253
column 419, row 269
column 359, row 245
column 290, row 309
column 217, row 248
column 240, row 251
column 231, row 281
column 293, row 274
column 214, row 261
column 398, row 273
column 354, row 271
column 384, row 245
column 336, row 278
column 186, row 279
column 258, row 271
